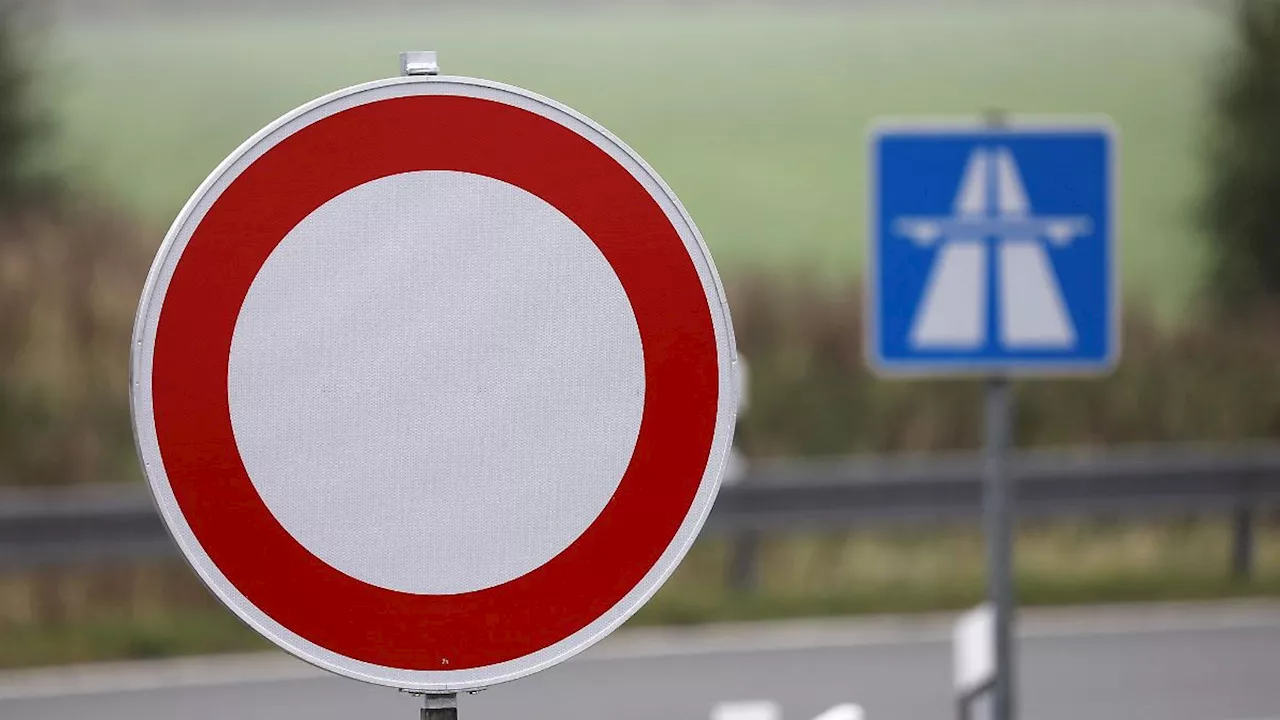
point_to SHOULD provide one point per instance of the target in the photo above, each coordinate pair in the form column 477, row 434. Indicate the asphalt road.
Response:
column 1203, row 662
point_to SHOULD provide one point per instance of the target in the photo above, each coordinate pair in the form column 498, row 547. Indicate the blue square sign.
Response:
column 992, row 251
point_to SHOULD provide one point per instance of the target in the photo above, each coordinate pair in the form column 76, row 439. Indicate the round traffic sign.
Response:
column 433, row 382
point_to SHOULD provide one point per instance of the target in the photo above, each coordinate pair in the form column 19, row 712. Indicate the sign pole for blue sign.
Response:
column 997, row 518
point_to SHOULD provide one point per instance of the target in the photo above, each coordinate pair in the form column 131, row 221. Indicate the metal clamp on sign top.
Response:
column 419, row 62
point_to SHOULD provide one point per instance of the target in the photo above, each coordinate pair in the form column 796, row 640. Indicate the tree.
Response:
column 21, row 126
column 1243, row 203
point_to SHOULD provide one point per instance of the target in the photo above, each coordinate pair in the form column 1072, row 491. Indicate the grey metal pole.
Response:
column 440, row 707
column 996, row 517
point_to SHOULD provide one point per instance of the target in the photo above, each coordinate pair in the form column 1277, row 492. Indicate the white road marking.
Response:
column 746, row 710
column 848, row 711
column 768, row 710
column 639, row 644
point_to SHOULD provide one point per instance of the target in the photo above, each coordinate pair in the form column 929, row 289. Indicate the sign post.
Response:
column 997, row 519
column 992, row 255
column 433, row 382
column 439, row 707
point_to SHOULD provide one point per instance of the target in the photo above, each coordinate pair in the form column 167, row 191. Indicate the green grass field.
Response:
column 755, row 117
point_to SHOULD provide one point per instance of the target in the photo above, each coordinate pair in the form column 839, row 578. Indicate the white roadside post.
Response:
column 973, row 656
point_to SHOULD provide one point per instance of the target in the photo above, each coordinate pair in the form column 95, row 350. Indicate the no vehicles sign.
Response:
column 433, row 382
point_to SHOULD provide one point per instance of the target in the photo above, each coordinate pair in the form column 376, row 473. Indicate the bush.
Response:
column 1243, row 203
column 22, row 126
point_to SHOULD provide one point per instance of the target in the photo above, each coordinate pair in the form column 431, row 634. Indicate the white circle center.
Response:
column 436, row 382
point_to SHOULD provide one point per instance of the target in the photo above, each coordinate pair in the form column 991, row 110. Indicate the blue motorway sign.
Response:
column 992, row 251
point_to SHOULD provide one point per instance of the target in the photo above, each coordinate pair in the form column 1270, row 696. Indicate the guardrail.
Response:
column 1136, row 481
column 115, row 523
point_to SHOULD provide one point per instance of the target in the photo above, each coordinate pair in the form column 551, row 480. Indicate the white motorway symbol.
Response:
column 768, row 710
column 992, row 203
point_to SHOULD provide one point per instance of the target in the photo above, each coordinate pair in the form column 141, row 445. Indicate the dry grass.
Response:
column 68, row 289
column 811, row 392
column 939, row 568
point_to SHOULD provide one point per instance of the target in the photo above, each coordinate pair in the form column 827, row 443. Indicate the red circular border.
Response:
column 193, row 425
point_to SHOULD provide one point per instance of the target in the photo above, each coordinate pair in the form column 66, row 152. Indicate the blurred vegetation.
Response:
column 1243, row 208
column 71, row 268
column 23, row 128
column 68, row 289
column 69, row 280
column 811, row 392
column 144, row 611
column 771, row 183
column 69, row 275
column 770, row 161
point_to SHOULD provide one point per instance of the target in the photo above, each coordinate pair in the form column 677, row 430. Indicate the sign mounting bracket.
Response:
column 419, row 62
